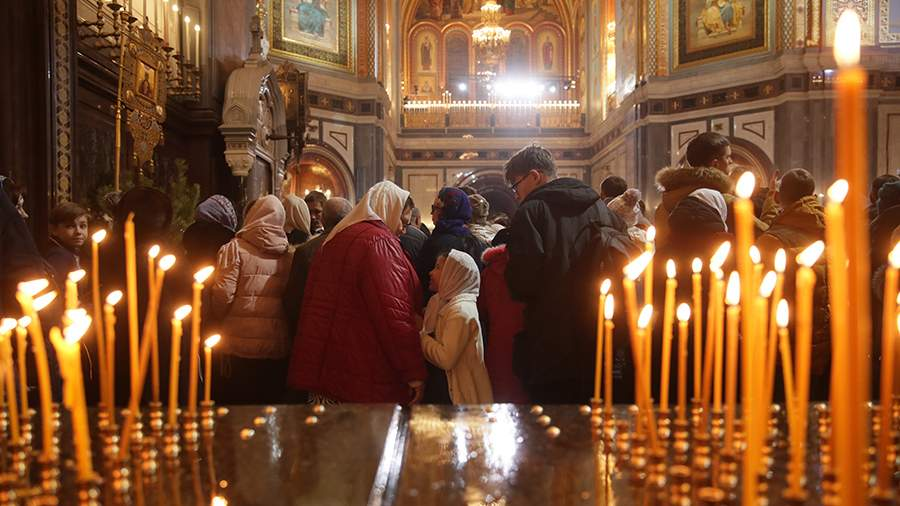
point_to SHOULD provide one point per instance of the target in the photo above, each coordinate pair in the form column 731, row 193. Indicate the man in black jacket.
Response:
column 19, row 256
column 550, row 232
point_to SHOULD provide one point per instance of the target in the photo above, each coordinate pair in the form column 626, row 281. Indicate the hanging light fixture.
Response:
column 490, row 37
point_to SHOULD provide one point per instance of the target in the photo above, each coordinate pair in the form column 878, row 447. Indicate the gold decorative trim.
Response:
column 62, row 103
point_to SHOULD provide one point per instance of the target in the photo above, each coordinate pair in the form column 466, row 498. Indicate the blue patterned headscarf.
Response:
column 217, row 209
column 456, row 212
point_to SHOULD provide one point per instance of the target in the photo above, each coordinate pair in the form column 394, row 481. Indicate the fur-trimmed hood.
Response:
column 675, row 178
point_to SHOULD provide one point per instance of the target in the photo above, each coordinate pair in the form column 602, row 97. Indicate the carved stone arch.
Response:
column 747, row 154
column 491, row 183
column 308, row 170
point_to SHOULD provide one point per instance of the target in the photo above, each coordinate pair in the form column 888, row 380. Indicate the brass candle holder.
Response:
column 109, row 439
column 681, row 444
column 207, row 416
column 171, row 448
column 727, row 478
column 637, row 459
column 88, row 492
column 120, row 477
column 190, row 427
column 18, row 461
column 664, row 426
column 49, row 475
column 156, row 420
column 26, row 428
column 701, row 463
column 656, row 477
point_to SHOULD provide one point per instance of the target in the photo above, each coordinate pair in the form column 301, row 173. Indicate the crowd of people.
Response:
column 319, row 300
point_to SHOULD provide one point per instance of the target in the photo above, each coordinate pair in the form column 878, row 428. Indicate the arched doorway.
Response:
column 322, row 170
column 491, row 184
column 746, row 154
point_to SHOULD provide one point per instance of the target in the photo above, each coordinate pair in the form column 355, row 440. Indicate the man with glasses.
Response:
column 549, row 237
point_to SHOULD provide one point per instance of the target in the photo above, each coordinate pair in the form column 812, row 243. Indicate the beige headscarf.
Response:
column 459, row 281
column 383, row 202
column 264, row 225
column 297, row 214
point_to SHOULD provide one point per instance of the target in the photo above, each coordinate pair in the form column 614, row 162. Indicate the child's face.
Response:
column 71, row 234
column 435, row 275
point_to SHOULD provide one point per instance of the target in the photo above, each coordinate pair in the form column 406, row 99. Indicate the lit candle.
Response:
column 199, row 278
column 72, row 280
column 756, row 259
column 109, row 314
column 69, row 352
column 152, row 254
column 684, row 315
column 805, row 283
column 131, row 288
column 643, row 387
column 608, row 311
column 793, row 410
column 598, row 361
column 851, row 145
column 713, row 350
column 197, row 45
column 888, row 337
column 772, row 341
column 744, row 238
column 668, row 321
column 207, row 349
column 186, row 40
column 632, row 272
column 150, row 323
column 648, row 273
column 6, row 327
column 21, row 346
column 180, row 314
column 166, row 20
column 96, row 238
column 697, row 300
column 24, row 294
column 733, row 298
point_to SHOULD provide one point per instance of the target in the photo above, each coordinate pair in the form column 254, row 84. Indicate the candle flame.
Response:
column 847, row 38
column 782, row 314
column 76, row 276
column 894, row 256
column 34, row 287
column 219, row 501
column 683, row 312
column 166, row 262
column 768, row 285
column 99, row 236
column 187, row 19
column 780, row 260
column 670, row 268
column 697, row 266
column 75, row 314
column 838, row 190
column 605, row 286
column 644, row 318
column 197, row 28
column 755, row 256
column 153, row 252
column 212, row 340
column 114, row 297
column 651, row 234
column 203, row 274
column 44, row 300
column 175, row 7
column 182, row 312
column 719, row 257
column 810, row 255
column 74, row 332
column 898, row 322
column 7, row 325
column 898, row 299
column 24, row 322
column 733, row 292
column 745, row 185
column 634, row 269
column 610, row 307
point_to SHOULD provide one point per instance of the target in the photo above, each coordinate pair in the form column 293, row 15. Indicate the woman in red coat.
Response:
column 357, row 340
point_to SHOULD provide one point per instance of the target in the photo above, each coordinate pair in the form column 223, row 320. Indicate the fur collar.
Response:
column 673, row 178
column 494, row 253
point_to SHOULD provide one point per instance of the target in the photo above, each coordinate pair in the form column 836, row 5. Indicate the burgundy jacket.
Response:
column 357, row 339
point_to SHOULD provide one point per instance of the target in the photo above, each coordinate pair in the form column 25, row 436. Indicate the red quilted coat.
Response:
column 357, row 339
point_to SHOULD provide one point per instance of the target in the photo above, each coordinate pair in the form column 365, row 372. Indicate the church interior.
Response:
column 249, row 99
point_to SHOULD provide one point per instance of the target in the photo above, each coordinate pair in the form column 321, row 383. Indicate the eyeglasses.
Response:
column 515, row 185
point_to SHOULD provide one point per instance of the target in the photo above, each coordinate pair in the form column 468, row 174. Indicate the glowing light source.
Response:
column 768, row 284
column 733, row 292
column 811, row 254
column 697, row 266
column 182, row 312
column 609, row 308
column 204, row 274
column 782, row 316
column 683, row 312
column 847, row 39
column 212, row 340
column 745, row 185
column 644, row 318
column 837, row 192
column 780, row 260
column 605, row 286
column 99, row 236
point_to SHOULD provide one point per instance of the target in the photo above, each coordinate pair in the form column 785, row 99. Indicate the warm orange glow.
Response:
column 34, row 287
column 733, row 292
column 610, row 306
column 811, row 254
column 721, row 254
column 153, row 252
column 605, row 286
column 670, row 268
column 768, row 284
column 7, row 325
column 25, row 321
column 74, row 332
column 114, row 297
column 99, row 236
column 212, row 340
column 780, row 260
column 697, row 266
column 847, row 39
column 755, row 255
column 745, row 185
column 894, row 256
column 634, row 269
column 644, row 318
column 166, row 262
column 684, row 312
column 44, row 300
column 204, row 274
column 782, row 314
column 838, row 190
column 651, row 234
column 76, row 276
column 182, row 312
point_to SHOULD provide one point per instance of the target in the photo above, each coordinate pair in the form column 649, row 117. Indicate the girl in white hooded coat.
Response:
column 451, row 335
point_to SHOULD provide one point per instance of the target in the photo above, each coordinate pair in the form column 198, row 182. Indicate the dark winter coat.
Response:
column 548, row 237
column 202, row 241
column 798, row 226
column 62, row 260
column 888, row 219
column 18, row 255
column 413, row 240
column 357, row 340
column 296, row 287
column 440, row 243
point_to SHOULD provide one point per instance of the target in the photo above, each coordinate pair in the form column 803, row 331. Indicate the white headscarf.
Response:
column 459, row 281
column 297, row 214
column 713, row 199
column 383, row 202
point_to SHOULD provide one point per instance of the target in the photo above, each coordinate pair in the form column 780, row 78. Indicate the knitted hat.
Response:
column 626, row 206
column 480, row 207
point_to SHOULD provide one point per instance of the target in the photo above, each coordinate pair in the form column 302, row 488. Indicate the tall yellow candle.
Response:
column 697, row 301
column 72, row 280
column 772, row 340
column 208, row 345
column 608, row 310
column 766, row 290
column 6, row 328
column 684, row 315
column 199, row 278
column 96, row 238
column 888, row 338
column 755, row 412
column 790, row 389
column 733, row 298
column 744, row 238
column 30, row 307
column 632, row 272
column 642, row 389
column 109, row 314
column 851, row 432
column 69, row 352
column 649, row 247
column 21, row 348
column 131, row 289
column 712, row 322
column 180, row 314
column 668, row 322
column 150, row 324
column 152, row 254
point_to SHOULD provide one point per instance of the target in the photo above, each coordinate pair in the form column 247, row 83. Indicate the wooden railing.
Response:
column 456, row 115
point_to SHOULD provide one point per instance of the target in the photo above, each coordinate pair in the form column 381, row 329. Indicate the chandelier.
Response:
column 490, row 36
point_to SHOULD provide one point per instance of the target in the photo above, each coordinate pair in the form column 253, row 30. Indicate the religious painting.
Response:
column 425, row 87
column 456, row 45
column 866, row 10
column 528, row 11
column 625, row 60
column 145, row 84
column 889, row 24
column 713, row 29
column 518, row 54
column 426, row 54
column 548, row 53
column 313, row 30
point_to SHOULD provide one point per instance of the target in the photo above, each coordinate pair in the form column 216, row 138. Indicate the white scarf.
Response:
column 715, row 200
column 383, row 202
column 459, row 281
